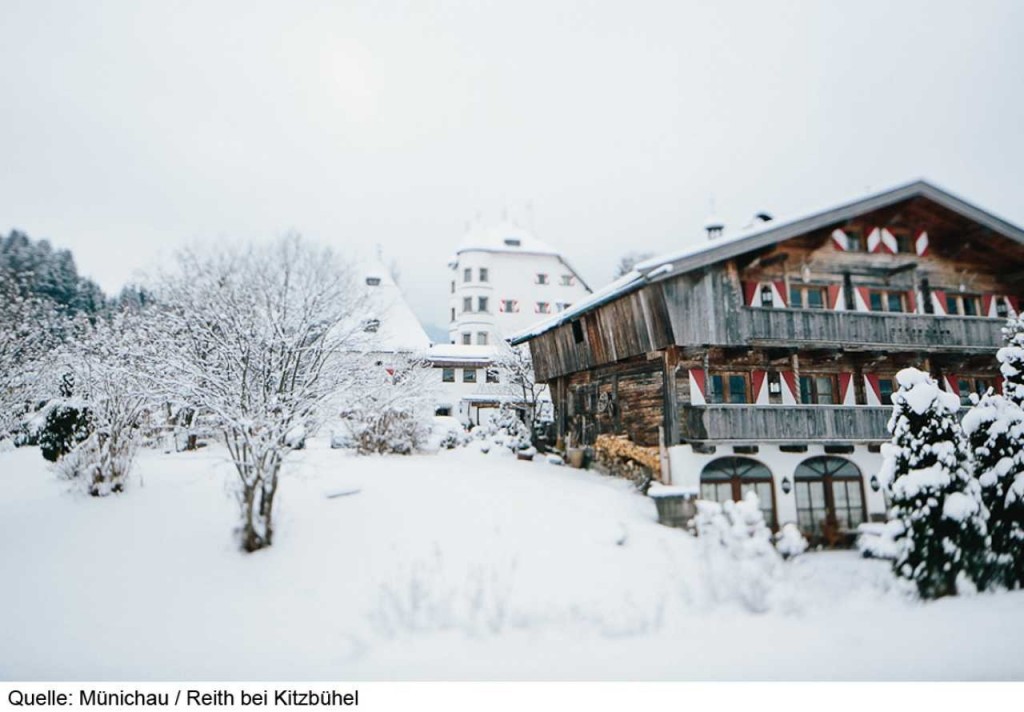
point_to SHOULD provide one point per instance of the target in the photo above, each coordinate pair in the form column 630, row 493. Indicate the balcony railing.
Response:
column 784, row 423
column 813, row 327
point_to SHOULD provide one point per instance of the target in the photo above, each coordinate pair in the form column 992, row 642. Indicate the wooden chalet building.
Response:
column 765, row 360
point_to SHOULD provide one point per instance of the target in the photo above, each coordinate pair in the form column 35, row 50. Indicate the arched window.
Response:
column 729, row 478
column 829, row 489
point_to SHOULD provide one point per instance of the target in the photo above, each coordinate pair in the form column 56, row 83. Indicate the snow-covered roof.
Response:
column 399, row 328
column 459, row 353
column 505, row 236
column 704, row 253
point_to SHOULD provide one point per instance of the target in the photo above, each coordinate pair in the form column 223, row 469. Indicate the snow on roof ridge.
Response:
column 495, row 237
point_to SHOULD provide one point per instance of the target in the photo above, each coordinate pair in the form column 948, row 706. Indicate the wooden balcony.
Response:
column 784, row 423
column 864, row 330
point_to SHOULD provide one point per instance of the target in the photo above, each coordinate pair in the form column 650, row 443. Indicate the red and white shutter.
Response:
column 872, row 391
column 874, row 241
column 788, row 381
column 779, row 294
column 999, row 384
column 988, row 304
column 751, row 290
column 836, row 297
column 697, row 385
column 501, row 306
column 938, row 301
column 950, row 382
column 862, row 300
column 912, row 301
column 1014, row 304
column 921, row 244
column 889, row 243
column 841, row 242
column 760, row 383
column 847, row 394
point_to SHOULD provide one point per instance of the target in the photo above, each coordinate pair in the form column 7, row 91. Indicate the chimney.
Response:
column 714, row 227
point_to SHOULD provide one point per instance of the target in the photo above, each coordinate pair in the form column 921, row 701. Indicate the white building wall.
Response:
column 685, row 467
column 511, row 276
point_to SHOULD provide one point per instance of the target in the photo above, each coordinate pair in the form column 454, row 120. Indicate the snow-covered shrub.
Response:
column 943, row 538
column 790, row 542
column 393, row 409
column 1011, row 360
column 66, row 425
column 67, row 422
column 428, row 596
column 877, row 540
column 995, row 430
column 506, row 429
column 736, row 547
column 448, row 433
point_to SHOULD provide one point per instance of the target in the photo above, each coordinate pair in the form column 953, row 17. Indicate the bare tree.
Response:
column 262, row 341
column 515, row 367
column 630, row 260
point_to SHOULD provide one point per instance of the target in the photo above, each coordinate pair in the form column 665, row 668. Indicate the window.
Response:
column 904, row 243
column 481, row 304
column 509, row 306
column 1002, row 308
column 543, row 307
column 568, row 280
column 969, row 385
column 963, row 304
column 513, row 241
column 453, row 313
column 467, row 304
column 767, row 300
column 728, row 388
column 371, row 325
column 829, row 494
column 542, row 278
column 854, row 240
column 885, row 388
column 481, row 338
column 453, row 286
column 885, row 300
column 728, row 479
column 483, row 274
column 467, row 275
column 807, row 297
column 467, row 339
column 562, row 306
column 817, row 390
column 469, row 375
column 373, row 281
column 448, row 375
column 491, row 375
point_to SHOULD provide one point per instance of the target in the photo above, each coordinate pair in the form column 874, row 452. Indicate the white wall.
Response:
column 510, row 276
column 685, row 467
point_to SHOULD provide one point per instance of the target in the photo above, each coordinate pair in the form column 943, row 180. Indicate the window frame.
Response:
column 447, row 374
column 469, row 375
column 483, row 274
column 725, row 394
column 802, row 291
column 814, row 392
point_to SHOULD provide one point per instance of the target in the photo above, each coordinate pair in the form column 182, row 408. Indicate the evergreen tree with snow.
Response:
column 1011, row 360
column 942, row 541
column 995, row 430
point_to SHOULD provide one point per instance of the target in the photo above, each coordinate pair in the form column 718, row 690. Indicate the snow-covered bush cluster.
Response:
column 957, row 488
column 790, row 542
column 942, row 539
column 741, row 564
column 391, row 409
column 505, row 429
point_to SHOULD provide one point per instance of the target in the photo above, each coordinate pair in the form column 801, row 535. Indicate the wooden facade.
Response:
column 796, row 340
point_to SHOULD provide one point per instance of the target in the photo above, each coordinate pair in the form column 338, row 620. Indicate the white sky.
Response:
column 130, row 128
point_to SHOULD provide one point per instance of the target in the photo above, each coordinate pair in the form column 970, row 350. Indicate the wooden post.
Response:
column 670, row 406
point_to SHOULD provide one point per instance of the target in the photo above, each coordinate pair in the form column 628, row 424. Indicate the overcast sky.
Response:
column 130, row 128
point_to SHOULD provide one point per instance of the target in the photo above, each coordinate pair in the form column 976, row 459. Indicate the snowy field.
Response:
column 455, row 566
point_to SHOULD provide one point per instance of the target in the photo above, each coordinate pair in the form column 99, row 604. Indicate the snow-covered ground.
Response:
column 460, row 565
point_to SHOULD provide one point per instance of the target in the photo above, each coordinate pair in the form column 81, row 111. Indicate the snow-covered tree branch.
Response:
column 262, row 341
